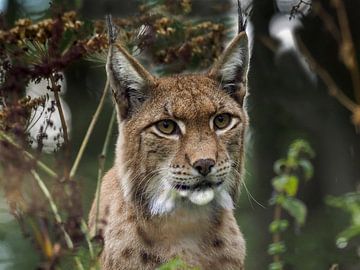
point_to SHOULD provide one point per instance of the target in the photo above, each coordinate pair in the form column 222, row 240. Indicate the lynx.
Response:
column 178, row 164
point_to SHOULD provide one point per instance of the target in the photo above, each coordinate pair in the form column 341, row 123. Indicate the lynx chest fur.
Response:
column 178, row 165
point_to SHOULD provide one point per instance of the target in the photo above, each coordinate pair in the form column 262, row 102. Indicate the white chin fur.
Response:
column 164, row 203
column 225, row 200
column 202, row 197
column 169, row 199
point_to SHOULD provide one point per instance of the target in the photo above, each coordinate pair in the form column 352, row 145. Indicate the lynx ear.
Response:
column 129, row 80
column 232, row 67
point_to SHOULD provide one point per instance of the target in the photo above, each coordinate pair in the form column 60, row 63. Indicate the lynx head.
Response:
column 181, row 137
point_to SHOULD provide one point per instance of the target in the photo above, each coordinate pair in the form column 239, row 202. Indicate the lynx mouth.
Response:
column 200, row 186
column 199, row 194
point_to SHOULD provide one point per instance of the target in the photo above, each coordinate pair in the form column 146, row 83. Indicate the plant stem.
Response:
column 277, row 236
column 102, row 158
column 68, row 241
column 89, row 131
column 85, row 230
column 40, row 164
column 56, row 89
column 53, row 207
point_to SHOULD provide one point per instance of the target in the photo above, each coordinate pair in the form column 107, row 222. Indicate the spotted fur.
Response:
column 147, row 214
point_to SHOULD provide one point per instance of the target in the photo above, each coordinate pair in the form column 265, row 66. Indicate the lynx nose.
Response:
column 203, row 166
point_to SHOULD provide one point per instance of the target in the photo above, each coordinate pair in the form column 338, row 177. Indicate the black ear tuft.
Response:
column 129, row 80
column 232, row 67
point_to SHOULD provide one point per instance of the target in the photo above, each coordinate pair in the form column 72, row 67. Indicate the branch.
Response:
column 333, row 88
column 40, row 164
column 347, row 48
column 53, row 207
column 102, row 159
column 46, row 192
column 56, row 89
column 328, row 21
column 89, row 131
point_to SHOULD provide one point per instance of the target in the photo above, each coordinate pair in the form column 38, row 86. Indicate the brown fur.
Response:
column 199, row 241
column 204, row 236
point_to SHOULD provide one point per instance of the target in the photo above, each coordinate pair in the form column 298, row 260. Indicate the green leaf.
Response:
column 276, row 266
column 286, row 183
column 299, row 147
column 307, row 168
column 279, row 166
column 279, row 183
column 278, row 226
column 291, row 186
column 276, row 248
column 349, row 233
column 279, row 199
column 295, row 208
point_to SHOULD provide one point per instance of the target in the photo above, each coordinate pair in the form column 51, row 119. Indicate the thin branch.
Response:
column 333, row 88
column 40, row 164
column 56, row 89
column 347, row 47
column 296, row 8
column 85, row 230
column 46, row 192
column 277, row 235
column 102, row 159
column 53, row 207
column 89, row 131
column 328, row 21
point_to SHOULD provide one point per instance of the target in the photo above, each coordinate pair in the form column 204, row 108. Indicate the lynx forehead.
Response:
column 178, row 166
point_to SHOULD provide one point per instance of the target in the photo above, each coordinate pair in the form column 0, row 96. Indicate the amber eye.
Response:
column 221, row 121
column 167, row 126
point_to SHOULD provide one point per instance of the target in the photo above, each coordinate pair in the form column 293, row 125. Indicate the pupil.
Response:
column 165, row 124
column 221, row 119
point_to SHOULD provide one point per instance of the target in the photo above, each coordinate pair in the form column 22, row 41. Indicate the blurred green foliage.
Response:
column 295, row 166
column 349, row 203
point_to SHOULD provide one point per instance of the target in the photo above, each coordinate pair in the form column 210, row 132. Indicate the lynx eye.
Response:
column 167, row 126
column 221, row 121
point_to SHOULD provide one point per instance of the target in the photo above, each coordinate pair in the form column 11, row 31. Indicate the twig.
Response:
column 85, row 230
column 102, row 159
column 89, row 131
column 296, row 8
column 277, row 236
column 328, row 21
column 347, row 47
column 53, row 207
column 40, row 164
column 334, row 89
column 56, row 89
column 46, row 192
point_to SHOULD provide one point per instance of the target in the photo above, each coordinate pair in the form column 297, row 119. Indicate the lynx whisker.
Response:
column 248, row 193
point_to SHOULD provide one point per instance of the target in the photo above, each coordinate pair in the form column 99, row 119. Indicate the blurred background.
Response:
column 286, row 101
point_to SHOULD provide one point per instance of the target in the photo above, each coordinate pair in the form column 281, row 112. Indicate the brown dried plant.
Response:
column 45, row 200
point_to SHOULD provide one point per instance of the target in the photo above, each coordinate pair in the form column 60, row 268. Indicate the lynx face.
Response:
column 181, row 137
